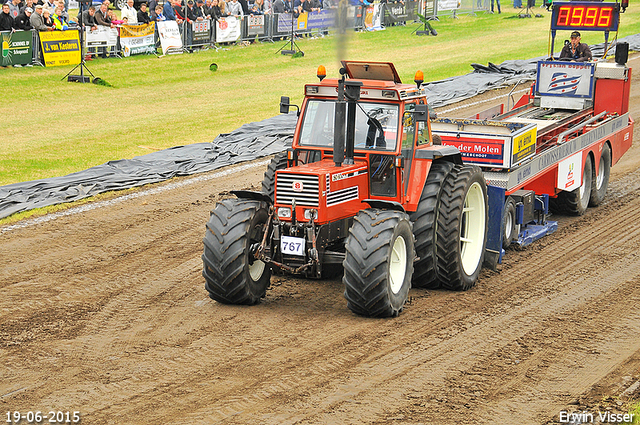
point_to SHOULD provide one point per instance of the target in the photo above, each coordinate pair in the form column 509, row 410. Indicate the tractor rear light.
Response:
column 290, row 153
column 284, row 212
column 311, row 214
column 312, row 89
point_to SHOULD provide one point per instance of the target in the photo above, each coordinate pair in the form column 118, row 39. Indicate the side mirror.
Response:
column 421, row 113
column 284, row 104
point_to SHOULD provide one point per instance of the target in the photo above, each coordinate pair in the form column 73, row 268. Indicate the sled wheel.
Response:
column 424, row 227
column 278, row 162
column 600, row 180
column 231, row 273
column 378, row 263
column 462, row 228
column 508, row 223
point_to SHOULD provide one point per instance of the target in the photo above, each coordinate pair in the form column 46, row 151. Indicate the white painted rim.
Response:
column 600, row 176
column 397, row 264
column 508, row 227
column 472, row 229
column 256, row 270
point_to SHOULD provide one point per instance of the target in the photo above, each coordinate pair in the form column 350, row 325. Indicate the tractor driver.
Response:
column 575, row 51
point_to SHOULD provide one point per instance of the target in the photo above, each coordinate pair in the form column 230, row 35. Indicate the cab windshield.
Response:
column 318, row 123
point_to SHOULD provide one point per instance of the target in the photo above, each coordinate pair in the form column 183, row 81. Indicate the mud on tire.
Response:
column 462, row 228
column 379, row 263
column 232, row 276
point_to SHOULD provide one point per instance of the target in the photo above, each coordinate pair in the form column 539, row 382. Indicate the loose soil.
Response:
column 104, row 311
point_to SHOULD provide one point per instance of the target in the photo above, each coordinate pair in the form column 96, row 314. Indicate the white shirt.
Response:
column 130, row 13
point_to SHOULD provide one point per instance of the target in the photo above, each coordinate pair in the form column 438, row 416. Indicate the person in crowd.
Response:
column 49, row 5
column 114, row 18
column 222, row 4
column 129, row 13
column 89, row 18
column 234, row 9
column 178, row 11
column 59, row 22
column 167, row 11
column 152, row 5
column 37, row 19
column 245, row 7
column 29, row 3
column 47, row 19
column 279, row 6
column 14, row 8
column 156, row 15
column 23, row 20
column 214, row 10
column 143, row 15
column 498, row 3
column 257, row 8
column 517, row 4
column 193, row 13
column 63, row 11
column 6, row 20
column 102, row 16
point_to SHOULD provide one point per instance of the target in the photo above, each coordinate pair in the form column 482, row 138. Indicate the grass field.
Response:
column 51, row 127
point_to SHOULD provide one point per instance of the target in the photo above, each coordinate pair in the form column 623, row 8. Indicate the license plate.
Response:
column 292, row 246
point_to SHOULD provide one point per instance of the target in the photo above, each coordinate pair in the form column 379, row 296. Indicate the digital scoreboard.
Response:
column 585, row 16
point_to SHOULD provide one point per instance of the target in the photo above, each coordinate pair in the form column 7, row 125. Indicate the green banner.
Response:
column 16, row 48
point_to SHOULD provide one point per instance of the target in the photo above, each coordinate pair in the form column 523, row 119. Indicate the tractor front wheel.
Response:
column 232, row 274
column 379, row 263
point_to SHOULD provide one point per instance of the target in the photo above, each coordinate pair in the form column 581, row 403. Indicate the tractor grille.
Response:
column 305, row 193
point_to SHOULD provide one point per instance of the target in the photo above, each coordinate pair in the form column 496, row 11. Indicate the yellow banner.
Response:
column 60, row 47
column 524, row 146
column 137, row 30
column 302, row 21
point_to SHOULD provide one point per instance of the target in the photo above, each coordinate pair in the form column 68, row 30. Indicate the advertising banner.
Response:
column 566, row 79
column 100, row 37
column 570, row 173
column 16, row 48
column 170, row 39
column 448, row 5
column 482, row 151
column 228, row 29
column 400, row 12
column 60, row 47
column 373, row 17
column 201, row 31
column 255, row 25
column 321, row 19
column 137, row 39
column 284, row 22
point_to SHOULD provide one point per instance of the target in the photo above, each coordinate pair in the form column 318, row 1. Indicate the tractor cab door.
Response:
column 414, row 133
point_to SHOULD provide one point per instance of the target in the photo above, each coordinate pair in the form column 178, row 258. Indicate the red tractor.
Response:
column 363, row 190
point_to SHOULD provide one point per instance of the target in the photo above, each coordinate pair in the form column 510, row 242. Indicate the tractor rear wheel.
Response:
column 462, row 228
column 600, row 180
column 576, row 201
column 278, row 162
column 378, row 263
column 424, row 227
column 231, row 273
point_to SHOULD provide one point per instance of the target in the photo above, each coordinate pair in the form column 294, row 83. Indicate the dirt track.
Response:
column 105, row 312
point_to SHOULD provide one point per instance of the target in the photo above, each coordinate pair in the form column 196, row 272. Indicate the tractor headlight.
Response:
column 310, row 214
column 284, row 212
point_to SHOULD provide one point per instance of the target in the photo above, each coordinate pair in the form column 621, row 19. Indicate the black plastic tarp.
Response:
column 249, row 142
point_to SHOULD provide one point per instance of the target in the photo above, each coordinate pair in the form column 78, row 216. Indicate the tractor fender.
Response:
column 249, row 194
column 449, row 153
column 385, row 205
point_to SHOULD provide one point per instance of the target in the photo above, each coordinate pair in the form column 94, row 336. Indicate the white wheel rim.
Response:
column 508, row 226
column 600, row 176
column 397, row 264
column 472, row 228
column 256, row 269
